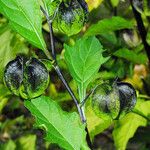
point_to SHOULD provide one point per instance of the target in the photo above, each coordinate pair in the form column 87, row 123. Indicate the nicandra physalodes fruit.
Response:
column 113, row 101
column 71, row 16
column 26, row 78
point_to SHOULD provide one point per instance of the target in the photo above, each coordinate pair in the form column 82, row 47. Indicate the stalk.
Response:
column 61, row 77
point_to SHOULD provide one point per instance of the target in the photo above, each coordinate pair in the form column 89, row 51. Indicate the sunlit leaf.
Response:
column 10, row 46
column 62, row 128
column 25, row 18
column 27, row 142
column 84, row 59
column 95, row 124
column 115, row 2
column 10, row 145
column 92, row 4
column 143, row 107
column 131, row 56
column 108, row 25
column 125, row 128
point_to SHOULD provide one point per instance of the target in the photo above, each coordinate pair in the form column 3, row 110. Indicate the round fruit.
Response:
column 127, row 96
column 71, row 17
column 113, row 101
column 13, row 75
column 105, row 101
column 26, row 78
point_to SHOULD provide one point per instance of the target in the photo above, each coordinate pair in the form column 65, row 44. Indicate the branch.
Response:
column 56, row 67
column 142, row 30
column 49, row 21
column 87, row 96
column 60, row 75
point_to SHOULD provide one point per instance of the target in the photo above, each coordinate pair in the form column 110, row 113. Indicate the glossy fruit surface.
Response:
column 13, row 75
column 113, row 101
column 71, row 17
column 26, row 78
column 105, row 101
column 128, row 97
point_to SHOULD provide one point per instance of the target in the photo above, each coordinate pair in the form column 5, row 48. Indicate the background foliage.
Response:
column 111, row 31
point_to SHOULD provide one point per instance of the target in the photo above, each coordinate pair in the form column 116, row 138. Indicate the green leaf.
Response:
column 9, row 124
column 3, row 97
column 84, row 59
column 125, row 128
column 143, row 107
column 3, row 91
column 95, row 124
column 3, row 102
column 115, row 2
column 62, row 128
column 148, row 36
column 25, row 18
column 109, row 25
column 10, row 45
column 109, row 37
column 131, row 56
column 10, row 145
column 146, row 7
column 27, row 142
column 105, row 75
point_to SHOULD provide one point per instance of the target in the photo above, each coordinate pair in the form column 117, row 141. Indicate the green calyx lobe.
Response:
column 113, row 101
column 105, row 102
column 71, row 16
column 26, row 78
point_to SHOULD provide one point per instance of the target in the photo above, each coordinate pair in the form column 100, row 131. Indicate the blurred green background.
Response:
column 128, row 61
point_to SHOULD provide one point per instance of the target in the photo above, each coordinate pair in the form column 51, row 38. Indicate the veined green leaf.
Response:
column 25, row 18
column 84, row 59
column 125, row 129
column 131, row 56
column 61, row 127
column 108, row 25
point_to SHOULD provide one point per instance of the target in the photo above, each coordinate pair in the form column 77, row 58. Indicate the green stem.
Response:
column 82, row 90
column 82, row 95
